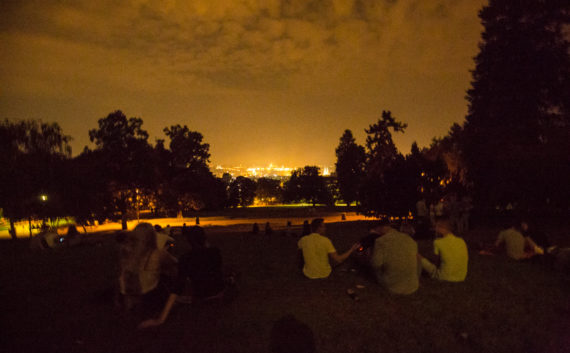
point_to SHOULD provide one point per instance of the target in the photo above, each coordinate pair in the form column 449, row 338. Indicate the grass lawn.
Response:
column 58, row 302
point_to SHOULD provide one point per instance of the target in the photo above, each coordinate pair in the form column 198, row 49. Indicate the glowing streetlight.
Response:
column 43, row 197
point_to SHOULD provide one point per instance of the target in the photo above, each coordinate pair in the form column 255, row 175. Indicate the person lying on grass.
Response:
column 451, row 251
column 395, row 259
column 200, row 269
column 318, row 251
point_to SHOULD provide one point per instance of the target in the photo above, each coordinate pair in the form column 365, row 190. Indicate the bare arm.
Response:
column 163, row 314
column 340, row 258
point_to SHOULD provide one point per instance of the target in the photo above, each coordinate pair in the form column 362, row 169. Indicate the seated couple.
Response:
column 392, row 255
column 518, row 241
column 143, row 268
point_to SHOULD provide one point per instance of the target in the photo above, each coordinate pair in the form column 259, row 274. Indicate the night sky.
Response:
column 265, row 81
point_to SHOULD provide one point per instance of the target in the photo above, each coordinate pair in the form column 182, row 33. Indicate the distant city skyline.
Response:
column 264, row 171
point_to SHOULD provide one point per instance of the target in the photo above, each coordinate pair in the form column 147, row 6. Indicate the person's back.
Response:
column 395, row 262
column 316, row 249
column 454, row 257
column 514, row 243
column 203, row 266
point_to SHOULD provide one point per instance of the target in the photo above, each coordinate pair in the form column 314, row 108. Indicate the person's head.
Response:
column 291, row 335
column 72, row 230
column 157, row 228
column 196, row 237
column 407, row 228
column 306, row 228
column 144, row 236
column 318, row 226
column 443, row 226
column 137, row 245
column 382, row 226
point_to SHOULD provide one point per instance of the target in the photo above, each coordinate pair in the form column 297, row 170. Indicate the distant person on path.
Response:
column 451, row 252
column 268, row 229
column 422, row 218
column 422, row 211
column 306, row 228
column 465, row 207
column 395, row 260
column 318, row 251
column 517, row 246
column 199, row 272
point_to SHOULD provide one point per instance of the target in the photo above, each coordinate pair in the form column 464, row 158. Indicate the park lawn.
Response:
column 61, row 302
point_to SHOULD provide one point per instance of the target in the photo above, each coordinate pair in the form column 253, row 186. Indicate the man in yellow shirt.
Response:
column 451, row 252
column 318, row 251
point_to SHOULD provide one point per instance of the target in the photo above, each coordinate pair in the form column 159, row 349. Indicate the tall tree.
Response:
column 381, row 156
column 350, row 158
column 187, row 183
column 517, row 131
column 125, row 155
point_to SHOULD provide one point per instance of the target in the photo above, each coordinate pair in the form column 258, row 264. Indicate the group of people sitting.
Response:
column 391, row 255
column 154, row 280
column 151, row 278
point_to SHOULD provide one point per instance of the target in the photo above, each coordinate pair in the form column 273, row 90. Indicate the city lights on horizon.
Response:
column 259, row 172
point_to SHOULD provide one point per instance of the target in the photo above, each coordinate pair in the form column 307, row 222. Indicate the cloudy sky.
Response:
column 265, row 81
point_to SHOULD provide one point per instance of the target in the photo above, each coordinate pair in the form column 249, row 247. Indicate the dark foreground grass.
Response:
column 59, row 302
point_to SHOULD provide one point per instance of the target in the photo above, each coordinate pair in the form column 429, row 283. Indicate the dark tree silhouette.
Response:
column 381, row 156
column 242, row 192
column 349, row 167
column 126, row 158
column 268, row 191
column 307, row 185
column 32, row 156
column 187, row 183
column 517, row 131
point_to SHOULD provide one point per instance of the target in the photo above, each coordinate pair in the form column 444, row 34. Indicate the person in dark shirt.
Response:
column 199, row 277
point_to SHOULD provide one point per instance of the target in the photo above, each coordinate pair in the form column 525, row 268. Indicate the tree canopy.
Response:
column 517, row 130
column 349, row 167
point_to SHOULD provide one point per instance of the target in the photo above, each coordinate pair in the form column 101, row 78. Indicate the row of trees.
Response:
column 123, row 174
column 513, row 148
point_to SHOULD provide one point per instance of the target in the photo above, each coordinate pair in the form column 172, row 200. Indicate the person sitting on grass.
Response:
column 318, row 250
column 517, row 246
column 199, row 272
column 451, row 252
column 141, row 266
column 395, row 259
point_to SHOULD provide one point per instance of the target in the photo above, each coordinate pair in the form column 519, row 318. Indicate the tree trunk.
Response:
column 124, row 220
column 13, row 230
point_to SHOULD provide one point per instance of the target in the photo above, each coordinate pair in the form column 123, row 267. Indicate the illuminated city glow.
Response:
column 270, row 171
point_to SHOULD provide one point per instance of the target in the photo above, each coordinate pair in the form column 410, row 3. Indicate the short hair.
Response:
column 445, row 222
column 316, row 223
column 382, row 222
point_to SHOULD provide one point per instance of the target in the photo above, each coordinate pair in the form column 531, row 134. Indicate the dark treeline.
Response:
column 513, row 150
